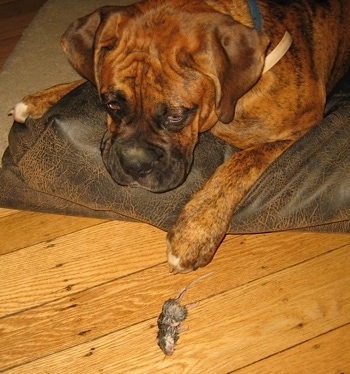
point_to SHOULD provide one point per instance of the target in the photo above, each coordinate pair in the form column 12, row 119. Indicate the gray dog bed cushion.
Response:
column 54, row 164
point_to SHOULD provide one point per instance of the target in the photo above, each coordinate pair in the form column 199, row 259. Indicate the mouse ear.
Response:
column 233, row 56
column 87, row 38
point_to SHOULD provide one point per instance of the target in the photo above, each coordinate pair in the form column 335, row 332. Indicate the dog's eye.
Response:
column 113, row 106
column 175, row 118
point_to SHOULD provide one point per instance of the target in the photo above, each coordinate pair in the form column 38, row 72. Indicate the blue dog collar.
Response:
column 282, row 47
column 254, row 10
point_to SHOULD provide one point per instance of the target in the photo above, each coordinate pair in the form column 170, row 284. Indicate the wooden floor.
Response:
column 82, row 296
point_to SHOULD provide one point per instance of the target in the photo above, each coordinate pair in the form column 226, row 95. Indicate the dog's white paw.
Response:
column 173, row 261
column 174, row 264
column 19, row 112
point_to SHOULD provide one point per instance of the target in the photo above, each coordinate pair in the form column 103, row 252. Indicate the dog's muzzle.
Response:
column 141, row 164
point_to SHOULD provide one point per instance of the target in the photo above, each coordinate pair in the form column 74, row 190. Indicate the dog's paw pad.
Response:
column 19, row 112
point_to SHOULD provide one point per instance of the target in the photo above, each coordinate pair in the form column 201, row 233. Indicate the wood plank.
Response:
column 328, row 353
column 15, row 8
column 7, row 212
column 13, row 27
column 15, row 16
column 28, row 228
column 122, row 300
column 11, row 30
column 63, row 266
column 42, row 273
column 228, row 331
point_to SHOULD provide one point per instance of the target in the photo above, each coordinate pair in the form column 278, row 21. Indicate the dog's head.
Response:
column 165, row 71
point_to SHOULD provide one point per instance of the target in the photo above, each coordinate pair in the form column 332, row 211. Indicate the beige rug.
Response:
column 38, row 62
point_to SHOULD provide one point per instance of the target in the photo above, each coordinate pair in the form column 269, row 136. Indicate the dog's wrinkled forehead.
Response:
column 162, row 22
column 164, row 35
column 146, row 61
column 154, row 39
column 155, row 50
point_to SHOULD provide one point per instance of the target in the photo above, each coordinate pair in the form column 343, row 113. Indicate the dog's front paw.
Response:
column 20, row 112
column 193, row 240
column 35, row 105
column 187, row 257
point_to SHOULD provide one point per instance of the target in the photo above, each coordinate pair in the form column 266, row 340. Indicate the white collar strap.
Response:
column 278, row 52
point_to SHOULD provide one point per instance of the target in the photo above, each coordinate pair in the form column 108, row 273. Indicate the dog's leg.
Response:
column 35, row 105
column 201, row 226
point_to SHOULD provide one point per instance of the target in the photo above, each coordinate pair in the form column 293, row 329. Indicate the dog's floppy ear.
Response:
column 233, row 57
column 78, row 42
column 86, row 39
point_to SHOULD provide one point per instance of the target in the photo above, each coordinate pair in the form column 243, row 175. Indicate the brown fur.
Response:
column 155, row 58
column 38, row 103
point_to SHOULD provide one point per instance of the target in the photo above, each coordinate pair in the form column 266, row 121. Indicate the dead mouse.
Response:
column 170, row 319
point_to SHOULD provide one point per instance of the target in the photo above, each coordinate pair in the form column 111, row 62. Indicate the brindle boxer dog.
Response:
column 167, row 70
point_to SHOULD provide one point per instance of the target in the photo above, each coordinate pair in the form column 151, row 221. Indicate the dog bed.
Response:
column 54, row 164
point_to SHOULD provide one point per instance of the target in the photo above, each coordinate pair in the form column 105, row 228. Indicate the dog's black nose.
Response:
column 137, row 169
column 138, row 162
